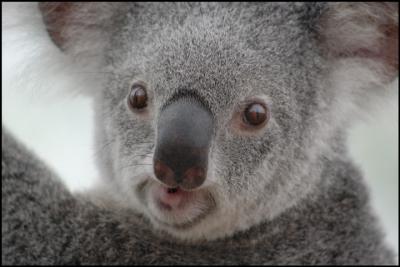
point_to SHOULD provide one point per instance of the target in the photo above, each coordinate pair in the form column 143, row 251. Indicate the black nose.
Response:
column 183, row 139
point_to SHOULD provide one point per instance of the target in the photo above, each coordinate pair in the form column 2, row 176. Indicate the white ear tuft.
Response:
column 364, row 31
column 32, row 63
column 80, row 29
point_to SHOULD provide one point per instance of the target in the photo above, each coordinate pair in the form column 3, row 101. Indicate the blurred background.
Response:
column 60, row 129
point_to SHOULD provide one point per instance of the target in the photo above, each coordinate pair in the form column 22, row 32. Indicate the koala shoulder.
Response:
column 36, row 209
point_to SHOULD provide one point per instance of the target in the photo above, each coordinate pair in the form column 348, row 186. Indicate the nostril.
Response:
column 194, row 177
column 172, row 190
column 191, row 179
column 194, row 173
column 164, row 173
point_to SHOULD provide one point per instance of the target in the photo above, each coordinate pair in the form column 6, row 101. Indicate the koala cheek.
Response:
column 213, row 177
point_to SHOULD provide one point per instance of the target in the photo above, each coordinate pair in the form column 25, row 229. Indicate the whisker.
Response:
column 102, row 147
column 134, row 165
column 145, row 155
column 137, row 164
column 89, row 72
column 143, row 143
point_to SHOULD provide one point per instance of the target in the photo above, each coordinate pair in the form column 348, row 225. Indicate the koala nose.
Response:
column 184, row 133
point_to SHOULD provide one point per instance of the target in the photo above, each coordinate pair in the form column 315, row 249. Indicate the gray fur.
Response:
column 285, row 194
column 334, row 226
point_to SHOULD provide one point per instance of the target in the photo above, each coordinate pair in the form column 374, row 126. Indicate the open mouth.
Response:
column 175, row 207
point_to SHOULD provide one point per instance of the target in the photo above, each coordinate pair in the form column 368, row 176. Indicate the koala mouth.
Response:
column 171, row 198
column 177, row 208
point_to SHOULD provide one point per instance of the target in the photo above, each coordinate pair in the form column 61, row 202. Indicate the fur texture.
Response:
column 333, row 226
column 292, row 176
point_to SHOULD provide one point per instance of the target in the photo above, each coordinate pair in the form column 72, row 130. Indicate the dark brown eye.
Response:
column 255, row 114
column 137, row 97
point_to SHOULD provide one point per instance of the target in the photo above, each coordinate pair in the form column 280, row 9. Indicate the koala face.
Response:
column 215, row 117
column 210, row 61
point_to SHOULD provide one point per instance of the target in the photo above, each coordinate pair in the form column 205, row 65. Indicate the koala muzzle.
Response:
column 184, row 134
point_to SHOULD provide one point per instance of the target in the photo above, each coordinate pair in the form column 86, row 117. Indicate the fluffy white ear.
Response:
column 367, row 32
column 54, row 48
column 80, row 29
column 360, row 43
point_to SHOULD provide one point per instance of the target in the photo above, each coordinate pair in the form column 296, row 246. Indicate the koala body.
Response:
column 223, row 125
column 55, row 227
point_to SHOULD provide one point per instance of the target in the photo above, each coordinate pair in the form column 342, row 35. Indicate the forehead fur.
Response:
column 212, row 48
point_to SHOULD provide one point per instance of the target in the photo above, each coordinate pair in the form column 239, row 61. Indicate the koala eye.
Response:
column 137, row 98
column 255, row 114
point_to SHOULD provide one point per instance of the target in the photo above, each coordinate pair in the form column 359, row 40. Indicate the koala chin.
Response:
column 218, row 122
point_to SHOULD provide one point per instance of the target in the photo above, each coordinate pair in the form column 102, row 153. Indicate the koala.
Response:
column 221, row 131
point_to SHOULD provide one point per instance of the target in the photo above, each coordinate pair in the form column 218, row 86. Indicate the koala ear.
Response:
column 79, row 29
column 55, row 16
column 367, row 32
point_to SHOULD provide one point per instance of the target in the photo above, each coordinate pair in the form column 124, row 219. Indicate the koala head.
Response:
column 213, row 117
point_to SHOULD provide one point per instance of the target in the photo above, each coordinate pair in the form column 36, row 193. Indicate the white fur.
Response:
column 38, row 57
